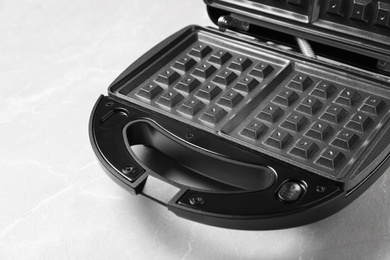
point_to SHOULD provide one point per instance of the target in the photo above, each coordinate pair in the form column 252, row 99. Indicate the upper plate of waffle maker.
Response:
column 237, row 127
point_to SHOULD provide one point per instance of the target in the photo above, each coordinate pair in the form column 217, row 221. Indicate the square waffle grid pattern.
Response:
column 364, row 19
column 356, row 17
column 267, row 103
column 322, row 124
column 208, row 84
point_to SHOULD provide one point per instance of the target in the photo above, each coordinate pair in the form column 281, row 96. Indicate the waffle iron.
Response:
column 276, row 118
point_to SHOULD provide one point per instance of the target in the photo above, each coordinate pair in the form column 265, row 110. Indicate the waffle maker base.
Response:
column 231, row 132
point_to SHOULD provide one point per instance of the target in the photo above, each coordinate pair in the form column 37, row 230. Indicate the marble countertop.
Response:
column 56, row 58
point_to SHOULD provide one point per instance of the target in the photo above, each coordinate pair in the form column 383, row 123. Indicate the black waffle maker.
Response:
column 277, row 118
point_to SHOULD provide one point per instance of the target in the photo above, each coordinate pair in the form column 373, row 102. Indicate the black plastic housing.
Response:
column 233, row 132
column 362, row 27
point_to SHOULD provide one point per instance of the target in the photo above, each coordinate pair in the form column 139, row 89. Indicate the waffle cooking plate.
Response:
column 236, row 132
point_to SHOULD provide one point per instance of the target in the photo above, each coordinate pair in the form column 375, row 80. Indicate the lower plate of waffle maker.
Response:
column 229, row 132
column 236, row 128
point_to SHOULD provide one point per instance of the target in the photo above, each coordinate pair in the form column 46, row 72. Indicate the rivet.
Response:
column 196, row 200
column 128, row 169
column 320, row 189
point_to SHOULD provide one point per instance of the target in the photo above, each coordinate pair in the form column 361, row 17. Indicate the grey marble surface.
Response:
column 56, row 58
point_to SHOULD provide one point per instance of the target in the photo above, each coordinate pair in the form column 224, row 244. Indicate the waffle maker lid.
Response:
column 261, row 191
column 359, row 26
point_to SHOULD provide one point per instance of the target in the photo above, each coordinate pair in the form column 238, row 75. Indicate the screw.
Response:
column 189, row 135
column 128, row 169
column 108, row 104
column 196, row 200
column 224, row 22
column 320, row 189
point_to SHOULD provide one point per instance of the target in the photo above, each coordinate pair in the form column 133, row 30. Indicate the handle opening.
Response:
column 192, row 166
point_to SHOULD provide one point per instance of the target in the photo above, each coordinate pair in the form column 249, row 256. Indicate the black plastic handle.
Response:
column 224, row 184
column 233, row 173
column 172, row 154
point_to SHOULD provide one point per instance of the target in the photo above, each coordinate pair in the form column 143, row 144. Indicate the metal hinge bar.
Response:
column 225, row 22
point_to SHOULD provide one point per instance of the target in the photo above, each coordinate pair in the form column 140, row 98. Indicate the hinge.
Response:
column 226, row 22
